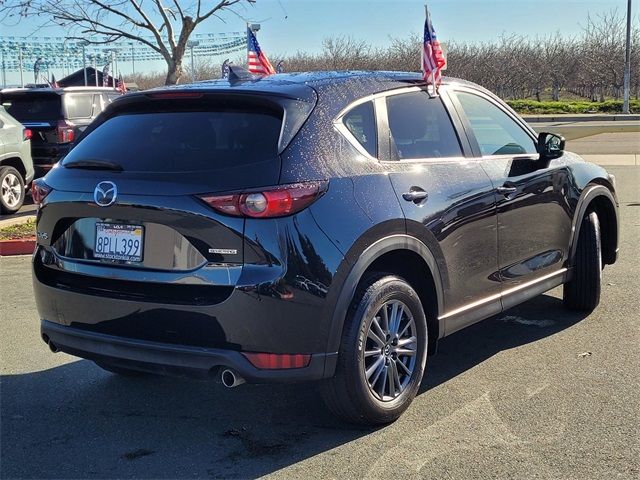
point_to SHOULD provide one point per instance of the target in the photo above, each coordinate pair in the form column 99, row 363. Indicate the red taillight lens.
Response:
column 275, row 202
column 277, row 361
column 39, row 190
column 66, row 133
column 27, row 134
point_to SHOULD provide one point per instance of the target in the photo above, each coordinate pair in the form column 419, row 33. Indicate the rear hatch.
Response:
column 42, row 113
column 159, row 154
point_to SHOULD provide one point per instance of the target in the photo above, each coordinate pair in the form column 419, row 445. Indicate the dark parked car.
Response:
column 327, row 226
column 56, row 117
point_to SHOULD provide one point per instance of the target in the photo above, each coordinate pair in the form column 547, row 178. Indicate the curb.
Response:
column 575, row 118
column 24, row 246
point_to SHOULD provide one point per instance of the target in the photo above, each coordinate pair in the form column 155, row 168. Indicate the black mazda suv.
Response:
column 317, row 226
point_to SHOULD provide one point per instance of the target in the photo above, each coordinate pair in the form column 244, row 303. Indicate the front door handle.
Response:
column 415, row 195
column 507, row 190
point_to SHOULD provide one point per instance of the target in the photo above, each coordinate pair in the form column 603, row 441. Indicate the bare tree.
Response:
column 163, row 25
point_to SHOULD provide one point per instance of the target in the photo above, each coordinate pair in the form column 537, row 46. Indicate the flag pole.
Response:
column 433, row 73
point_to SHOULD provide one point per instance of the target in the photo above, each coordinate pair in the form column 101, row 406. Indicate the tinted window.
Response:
column 496, row 132
column 420, row 127
column 182, row 141
column 361, row 122
column 79, row 106
column 33, row 108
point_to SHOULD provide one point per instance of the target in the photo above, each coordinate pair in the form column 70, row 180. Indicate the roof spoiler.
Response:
column 239, row 75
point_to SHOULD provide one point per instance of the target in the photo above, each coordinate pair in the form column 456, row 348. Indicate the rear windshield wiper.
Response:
column 95, row 165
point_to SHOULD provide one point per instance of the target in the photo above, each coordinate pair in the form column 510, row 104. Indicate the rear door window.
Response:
column 33, row 107
column 361, row 122
column 79, row 105
column 182, row 141
column 420, row 127
column 495, row 131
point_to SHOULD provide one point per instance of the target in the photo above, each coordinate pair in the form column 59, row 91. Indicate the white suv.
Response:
column 16, row 166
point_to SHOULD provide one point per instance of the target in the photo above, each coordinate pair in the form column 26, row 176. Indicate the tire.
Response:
column 11, row 190
column 349, row 394
column 582, row 293
column 125, row 372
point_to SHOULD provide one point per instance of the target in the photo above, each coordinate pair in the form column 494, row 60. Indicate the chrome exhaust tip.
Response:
column 231, row 379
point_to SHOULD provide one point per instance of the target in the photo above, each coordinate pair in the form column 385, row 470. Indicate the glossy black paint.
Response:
column 287, row 289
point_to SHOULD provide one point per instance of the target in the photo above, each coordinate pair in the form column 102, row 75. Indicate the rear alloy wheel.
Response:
column 582, row 293
column 11, row 190
column 383, row 352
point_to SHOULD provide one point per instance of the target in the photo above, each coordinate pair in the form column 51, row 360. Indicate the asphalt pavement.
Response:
column 536, row 392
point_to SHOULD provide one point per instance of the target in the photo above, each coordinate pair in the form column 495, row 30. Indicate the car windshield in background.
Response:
column 182, row 141
column 33, row 108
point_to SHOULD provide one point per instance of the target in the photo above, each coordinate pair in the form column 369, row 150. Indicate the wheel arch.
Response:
column 600, row 199
column 16, row 163
column 391, row 254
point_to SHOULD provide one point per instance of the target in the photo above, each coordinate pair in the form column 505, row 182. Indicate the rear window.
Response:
column 33, row 108
column 182, row 141
column 79, row 105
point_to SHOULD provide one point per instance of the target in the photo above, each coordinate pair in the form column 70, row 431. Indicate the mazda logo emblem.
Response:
column 105, row 194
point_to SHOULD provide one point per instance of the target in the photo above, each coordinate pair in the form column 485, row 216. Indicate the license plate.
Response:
column 116, row 241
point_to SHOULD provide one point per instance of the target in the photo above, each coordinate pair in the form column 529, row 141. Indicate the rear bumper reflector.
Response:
column 277, row 361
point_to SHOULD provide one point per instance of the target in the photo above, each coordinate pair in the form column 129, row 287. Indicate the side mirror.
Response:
column 550, row 145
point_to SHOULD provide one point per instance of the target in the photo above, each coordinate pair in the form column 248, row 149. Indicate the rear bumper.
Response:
column 169, row 359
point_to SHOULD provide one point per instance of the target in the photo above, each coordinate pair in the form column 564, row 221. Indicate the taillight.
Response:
column 39, row 190
column 66, row 133
column 276, row 361
column 27, row 134
column 269, row 203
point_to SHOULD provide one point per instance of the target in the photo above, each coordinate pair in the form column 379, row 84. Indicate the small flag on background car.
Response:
column 433, row 60
column 120, row 86
column 257, row 61
column 226, row 68
column 53, row 82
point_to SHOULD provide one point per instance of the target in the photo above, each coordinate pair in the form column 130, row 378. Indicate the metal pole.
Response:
column 193, row 71
column 133, row 60
column 627, row 63
column 95, row 68
column 4, row 73
column 21, row 74
column 84, row 66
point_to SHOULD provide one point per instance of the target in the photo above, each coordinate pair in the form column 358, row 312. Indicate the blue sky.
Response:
column 309, row 21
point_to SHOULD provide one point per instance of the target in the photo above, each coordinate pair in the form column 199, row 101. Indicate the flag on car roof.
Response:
column 226, row 68
column 433, row 60
column 257, row 61
column 53, row 82
column 120, row 86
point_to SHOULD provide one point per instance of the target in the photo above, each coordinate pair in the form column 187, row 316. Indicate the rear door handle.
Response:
column 415, row 196
column 507, row 190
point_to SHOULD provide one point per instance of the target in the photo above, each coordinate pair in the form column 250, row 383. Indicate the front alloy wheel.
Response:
column 11, row 190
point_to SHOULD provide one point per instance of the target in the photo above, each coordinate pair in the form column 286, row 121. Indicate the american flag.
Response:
column 120, row 86
column 257, row 61
column 432, row 57
column 226, row 68
column 53, row 82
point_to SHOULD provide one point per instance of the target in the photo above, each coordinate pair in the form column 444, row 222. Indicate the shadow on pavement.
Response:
column 76, row 421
